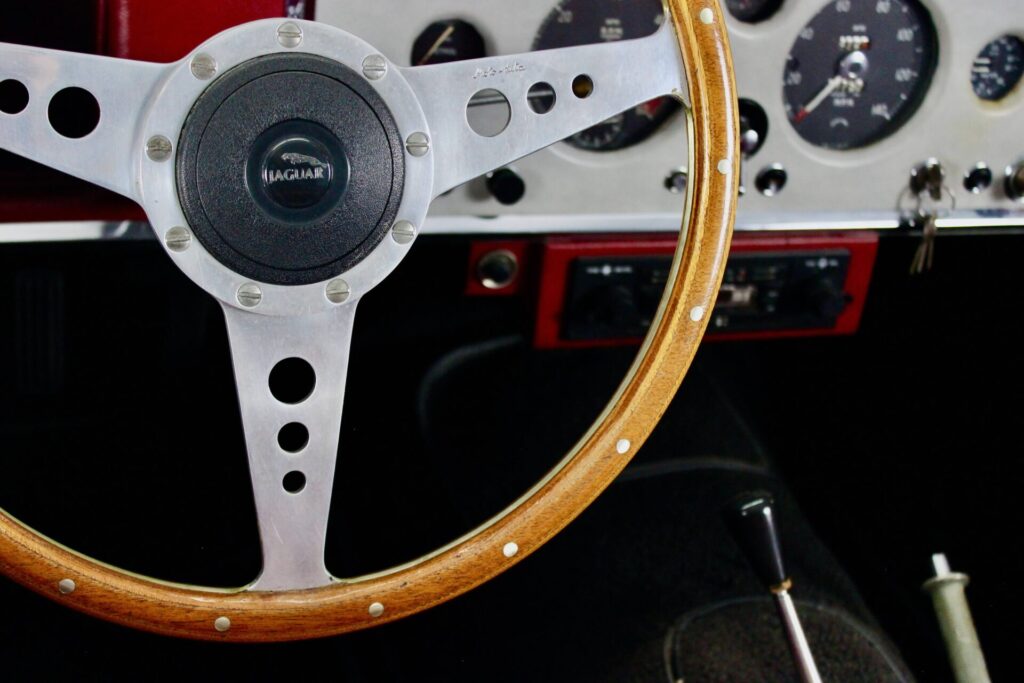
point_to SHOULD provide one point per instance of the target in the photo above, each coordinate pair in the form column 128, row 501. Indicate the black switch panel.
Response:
column 617, row 297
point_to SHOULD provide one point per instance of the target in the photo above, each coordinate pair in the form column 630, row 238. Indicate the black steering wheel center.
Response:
column 290, row 169
column 298, row 171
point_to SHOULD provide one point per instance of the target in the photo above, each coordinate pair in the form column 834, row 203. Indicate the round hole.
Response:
column 13, row 97
column 489, row 113
column 293, row 437
column 294, row 482
column 582, row 86
column 292, row 380
column 541, row 97
column 74, row 113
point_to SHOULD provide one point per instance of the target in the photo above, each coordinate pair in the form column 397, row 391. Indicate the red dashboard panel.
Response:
column 858, row 252
column 142, row 29
column 147, row 30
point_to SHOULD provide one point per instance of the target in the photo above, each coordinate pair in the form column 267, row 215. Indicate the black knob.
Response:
column 978, row 179
column 506, row 186
column 751, row 519
column 824, row 298
column 771, row 180
column 753, row 127
column 1015, row 181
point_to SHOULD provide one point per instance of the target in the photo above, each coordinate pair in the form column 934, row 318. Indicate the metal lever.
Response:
column 751, row 518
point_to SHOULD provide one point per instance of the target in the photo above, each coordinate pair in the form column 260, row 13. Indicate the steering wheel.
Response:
column 286, row 167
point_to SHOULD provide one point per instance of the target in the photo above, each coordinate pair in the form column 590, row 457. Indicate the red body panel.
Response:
column 146, row 30
column 164, row 30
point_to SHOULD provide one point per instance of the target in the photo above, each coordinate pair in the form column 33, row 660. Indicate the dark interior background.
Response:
column 120, row 437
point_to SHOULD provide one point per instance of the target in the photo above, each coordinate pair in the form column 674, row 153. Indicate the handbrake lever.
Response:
column 751, row 519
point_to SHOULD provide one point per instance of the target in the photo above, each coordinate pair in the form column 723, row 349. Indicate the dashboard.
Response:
column 843, row 100
column 857, row 115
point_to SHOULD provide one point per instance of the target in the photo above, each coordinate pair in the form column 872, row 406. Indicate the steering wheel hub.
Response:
column 290, row 169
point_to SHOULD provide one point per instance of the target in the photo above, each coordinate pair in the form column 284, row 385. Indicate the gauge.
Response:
column 753, row 11
column 582, row 22
column 998, row 68
column 452, row 40
column 858, row 71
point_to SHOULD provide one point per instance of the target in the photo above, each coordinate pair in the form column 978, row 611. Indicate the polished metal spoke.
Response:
column 623, row 74
column 108, row 156
column 293, row 524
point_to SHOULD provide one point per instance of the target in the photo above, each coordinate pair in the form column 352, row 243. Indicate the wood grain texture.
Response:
column 105, row 592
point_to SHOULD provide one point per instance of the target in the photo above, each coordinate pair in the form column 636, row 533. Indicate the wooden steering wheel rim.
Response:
column 143, row 603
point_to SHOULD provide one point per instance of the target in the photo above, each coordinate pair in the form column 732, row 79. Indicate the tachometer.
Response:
column 858, row 71
column 452, row 40
column 998, row 68
column 582, row 22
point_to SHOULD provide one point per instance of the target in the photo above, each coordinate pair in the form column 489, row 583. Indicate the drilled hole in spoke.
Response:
column 294, row 482
column 541, row 98
column 13, row 97
column 582, row 86
column 489, row 113
column 74, row 112
column 292, row 380
column 293, row 437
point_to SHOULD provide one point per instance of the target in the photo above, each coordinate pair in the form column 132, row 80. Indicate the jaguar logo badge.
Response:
column 297, row 171
column 309, row 168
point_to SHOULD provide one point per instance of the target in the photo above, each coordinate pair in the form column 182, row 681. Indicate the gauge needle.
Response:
column 437, row 45
column 806, row 110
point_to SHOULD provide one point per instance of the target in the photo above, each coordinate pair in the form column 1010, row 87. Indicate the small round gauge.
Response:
column 583, row 22
column 859, row 71
column 753, row 11
column 998, row 68
column 452, row 40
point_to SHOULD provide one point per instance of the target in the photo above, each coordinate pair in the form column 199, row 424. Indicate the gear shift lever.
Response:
column 751, row 518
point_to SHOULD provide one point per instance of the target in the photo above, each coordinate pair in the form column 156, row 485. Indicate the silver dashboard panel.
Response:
column 574, row 190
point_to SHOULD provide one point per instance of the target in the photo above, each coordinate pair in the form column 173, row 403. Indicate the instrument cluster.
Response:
column 840, row 99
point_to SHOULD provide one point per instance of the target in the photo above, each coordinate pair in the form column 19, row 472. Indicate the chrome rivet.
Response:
column 404, row 232
column 66, row 586
column 204, row 67
column 697, row 314
column 510, row 550
column 707, row 16
column 178, row 239
column 159, row 148
column 222, row 624
column 375, row 67
column 622, row 446
column 418, row 144
column 725, row 167
column 250, row 295
column 289, row 34
column 376, row 609
column 338, row 291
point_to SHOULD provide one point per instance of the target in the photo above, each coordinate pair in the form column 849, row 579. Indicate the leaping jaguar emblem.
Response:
column 295, row 159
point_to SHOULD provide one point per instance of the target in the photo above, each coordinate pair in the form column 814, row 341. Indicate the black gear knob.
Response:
column 751, row 519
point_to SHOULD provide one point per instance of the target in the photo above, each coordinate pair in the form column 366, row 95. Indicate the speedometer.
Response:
column 858, row 71
column 582, row 22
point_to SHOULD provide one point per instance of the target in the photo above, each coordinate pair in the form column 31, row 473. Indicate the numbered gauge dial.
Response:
column 582, row 22
column 859, row 71
column 998, row 68
column 448, row 41
column 752, row 11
